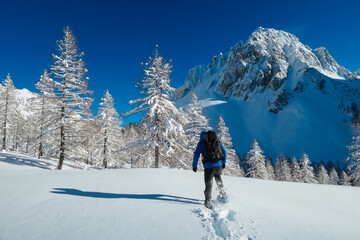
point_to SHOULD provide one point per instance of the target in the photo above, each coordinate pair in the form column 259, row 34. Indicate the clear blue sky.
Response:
column 117, row 36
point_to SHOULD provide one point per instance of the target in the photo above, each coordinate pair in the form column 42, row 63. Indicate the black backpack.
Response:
column 214, row 151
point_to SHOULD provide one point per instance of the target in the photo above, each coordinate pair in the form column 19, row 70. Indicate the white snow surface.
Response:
column 38, row 202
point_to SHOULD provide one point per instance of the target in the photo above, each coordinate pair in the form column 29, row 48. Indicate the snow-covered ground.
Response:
column 38, row 202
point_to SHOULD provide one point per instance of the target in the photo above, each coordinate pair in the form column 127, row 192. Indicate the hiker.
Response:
column 214, row 160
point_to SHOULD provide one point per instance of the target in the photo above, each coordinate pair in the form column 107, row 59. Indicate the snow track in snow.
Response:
column 223, row 223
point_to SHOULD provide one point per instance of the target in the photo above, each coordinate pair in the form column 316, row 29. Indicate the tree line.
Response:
column 62, row 126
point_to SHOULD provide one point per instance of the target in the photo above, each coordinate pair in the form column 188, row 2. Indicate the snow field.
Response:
column 38, row 203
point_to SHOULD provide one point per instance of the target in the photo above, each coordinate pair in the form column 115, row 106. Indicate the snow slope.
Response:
column 38, row 202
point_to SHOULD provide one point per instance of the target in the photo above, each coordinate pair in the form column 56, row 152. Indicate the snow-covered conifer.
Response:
column 110, row 131
column 256, row 162
column 283, row 170
column 8, row 106
column 71, row 88
column 344, row 179
column 334, row 177
column 322, row 175
column 163, row 133
column 353, row 159
column 295, row 170
column 232, row 162
column 196, row 122
column 270, row 168
column 307, row 171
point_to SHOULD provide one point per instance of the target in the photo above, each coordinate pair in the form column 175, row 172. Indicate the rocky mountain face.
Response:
column 276, row 68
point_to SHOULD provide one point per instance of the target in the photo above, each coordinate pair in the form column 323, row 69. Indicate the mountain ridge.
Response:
column 276, row 74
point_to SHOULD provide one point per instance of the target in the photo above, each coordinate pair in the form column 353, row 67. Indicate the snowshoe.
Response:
column 223, row 197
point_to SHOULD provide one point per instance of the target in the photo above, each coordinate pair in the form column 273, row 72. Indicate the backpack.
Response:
column 214, row 151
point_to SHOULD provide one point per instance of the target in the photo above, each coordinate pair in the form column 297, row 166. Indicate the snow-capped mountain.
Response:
column 291, row 98
column 25, row 104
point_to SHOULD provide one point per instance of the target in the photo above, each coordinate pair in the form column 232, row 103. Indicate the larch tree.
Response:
column 163, row 132
column 307, row 171
column 8, row 107
column 46, row 110
column 110, row 130
column 255, row 161
column 71, row 88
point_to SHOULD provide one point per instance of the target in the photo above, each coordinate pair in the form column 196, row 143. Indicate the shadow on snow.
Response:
column 159, row 197
column 21, row 161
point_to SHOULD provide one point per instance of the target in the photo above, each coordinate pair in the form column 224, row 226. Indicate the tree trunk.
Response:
column 105, row 151
column 40, row 150
column 156, row 156
column 41, row 153
column 62, row 136
column 5, row 123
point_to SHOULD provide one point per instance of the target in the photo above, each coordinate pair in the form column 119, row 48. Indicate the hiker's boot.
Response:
column 208, row 204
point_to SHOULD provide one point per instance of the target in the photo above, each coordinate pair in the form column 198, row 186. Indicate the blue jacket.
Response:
column 201, row 149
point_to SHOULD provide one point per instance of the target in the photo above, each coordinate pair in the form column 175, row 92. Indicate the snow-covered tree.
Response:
column 71, row 88
column 8, row 109
column 282, row 168
column 353, row 159
column 322, row 175
column 131, row 135
column 295, row 170
column 46, row 111
column 110, row 130
column 163, row 132
column 255, row 161
column 270, row 168
column 344, row 179
column 307, row 171
column 232, row 161
column 334, row 177
column 196, row 122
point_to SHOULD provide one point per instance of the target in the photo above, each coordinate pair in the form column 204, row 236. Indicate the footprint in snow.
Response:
column 221, row 223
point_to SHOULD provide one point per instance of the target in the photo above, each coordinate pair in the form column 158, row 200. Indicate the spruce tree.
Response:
column 334, row 177
column 283, row 170
column 353, row 160
column 256, row 162
column 295, row 170
column 71, row 88
column 344, row 179
column 232, row 162
column 322, row 175
column 196, row 122
column 307, row 171
column 110, row 132
column 270, row 168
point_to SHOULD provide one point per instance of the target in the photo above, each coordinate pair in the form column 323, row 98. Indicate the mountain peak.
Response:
column 277, row 87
